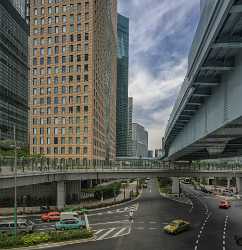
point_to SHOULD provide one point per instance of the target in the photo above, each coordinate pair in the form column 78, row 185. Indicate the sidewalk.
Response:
column 91, row 205
column 111, row 201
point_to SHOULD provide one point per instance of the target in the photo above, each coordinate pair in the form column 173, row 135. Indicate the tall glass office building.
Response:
column 13, row 73
column 122, row 87
column 20, row 6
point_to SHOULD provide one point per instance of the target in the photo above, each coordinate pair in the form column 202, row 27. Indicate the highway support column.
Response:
column 175, row 185
column 61, row 195
column 239, row 185
column 228, row 182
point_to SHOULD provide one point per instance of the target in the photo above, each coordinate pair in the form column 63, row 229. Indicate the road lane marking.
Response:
column 119, row 232
column 224, row 232
column 98, row 231
column 106, row 234
column 109, row 222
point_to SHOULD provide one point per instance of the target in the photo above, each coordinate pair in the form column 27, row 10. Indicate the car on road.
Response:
column 51, row 216
column 69, row 224
column 23, row 226
column 177, row 226
column 224, row 204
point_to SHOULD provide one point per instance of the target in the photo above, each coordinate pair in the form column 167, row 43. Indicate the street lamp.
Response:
column 15, row 183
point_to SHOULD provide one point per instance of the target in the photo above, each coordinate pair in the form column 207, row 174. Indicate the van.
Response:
column 68, row 215
column 23, row 226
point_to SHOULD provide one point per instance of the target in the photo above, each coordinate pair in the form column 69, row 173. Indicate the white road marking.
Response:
column 119, row 232
column 106, row 234
column 99, row 231
column 109, row 222
column 224, row 232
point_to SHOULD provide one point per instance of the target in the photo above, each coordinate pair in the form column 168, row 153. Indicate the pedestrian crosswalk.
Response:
column 114, row 232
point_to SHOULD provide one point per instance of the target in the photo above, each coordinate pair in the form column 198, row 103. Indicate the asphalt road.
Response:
column 221, row 225
column 211, row 227
column 146, row 232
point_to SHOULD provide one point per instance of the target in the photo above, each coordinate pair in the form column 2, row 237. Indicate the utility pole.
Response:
column 15, row 182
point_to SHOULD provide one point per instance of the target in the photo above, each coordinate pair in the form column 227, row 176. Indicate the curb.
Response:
column 170, row 198
column 51, row 245
column 116, row 205
column 179, row 201
column 90, row 210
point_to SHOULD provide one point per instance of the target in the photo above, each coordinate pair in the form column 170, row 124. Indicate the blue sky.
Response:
column 161, row 33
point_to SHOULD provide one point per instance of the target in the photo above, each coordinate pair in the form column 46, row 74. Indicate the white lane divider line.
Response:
column 224, row 232
column 106, row 234
column 201, row 231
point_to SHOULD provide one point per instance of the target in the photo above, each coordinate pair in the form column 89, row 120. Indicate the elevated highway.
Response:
column 206, row 121
column 27, row 176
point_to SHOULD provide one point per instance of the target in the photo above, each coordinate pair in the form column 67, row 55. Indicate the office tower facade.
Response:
column 13, row 74
column 20, row 6
column 139, row 141
column 73, row 79
column 130, row 121
column 122, row 87
column 150, row 153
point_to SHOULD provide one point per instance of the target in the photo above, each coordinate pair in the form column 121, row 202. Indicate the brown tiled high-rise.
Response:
column 73, row 79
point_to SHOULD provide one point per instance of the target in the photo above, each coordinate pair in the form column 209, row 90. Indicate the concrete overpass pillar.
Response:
column 228, row 182
column 61, row 195
column 239, row 185
column 175, row 185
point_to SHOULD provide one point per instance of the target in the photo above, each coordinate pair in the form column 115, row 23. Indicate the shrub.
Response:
column 35, row 238
column 107, row 191
column 8, row 241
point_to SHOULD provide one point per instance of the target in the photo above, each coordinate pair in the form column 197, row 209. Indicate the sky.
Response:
column 161, row 34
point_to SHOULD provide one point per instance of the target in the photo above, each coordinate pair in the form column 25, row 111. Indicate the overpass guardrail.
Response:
column 45, row 166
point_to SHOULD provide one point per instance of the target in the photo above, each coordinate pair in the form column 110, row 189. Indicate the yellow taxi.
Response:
column 177, row 226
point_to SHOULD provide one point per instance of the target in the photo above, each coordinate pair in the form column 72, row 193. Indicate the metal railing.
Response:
column 44, row 165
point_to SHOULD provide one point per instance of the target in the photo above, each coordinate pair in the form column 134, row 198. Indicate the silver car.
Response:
column 23, row 226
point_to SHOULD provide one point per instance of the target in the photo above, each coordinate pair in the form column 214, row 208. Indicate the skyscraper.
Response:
column 122, row 86
column 73, row 79
column 20, row 6
column 130, row 121
column 13, row 73
column 139, row 141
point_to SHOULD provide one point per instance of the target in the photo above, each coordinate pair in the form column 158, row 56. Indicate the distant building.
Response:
column 122, row 87
column 150, row 154
column 130, row 121
column 158, row 153
column 13, row 72
column 139, row 141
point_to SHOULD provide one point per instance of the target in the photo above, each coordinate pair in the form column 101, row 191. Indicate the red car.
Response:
column 51, row 216
column 224, row 204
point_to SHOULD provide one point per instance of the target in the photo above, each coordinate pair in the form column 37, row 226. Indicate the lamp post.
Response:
column 15, row 183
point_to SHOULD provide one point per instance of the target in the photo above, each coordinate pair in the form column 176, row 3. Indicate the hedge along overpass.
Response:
column 206, row 121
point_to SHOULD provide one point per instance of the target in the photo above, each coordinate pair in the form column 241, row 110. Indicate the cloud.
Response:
column 161, row 33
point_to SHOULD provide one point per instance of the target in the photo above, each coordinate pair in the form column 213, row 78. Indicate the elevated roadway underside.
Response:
column 207, row 119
